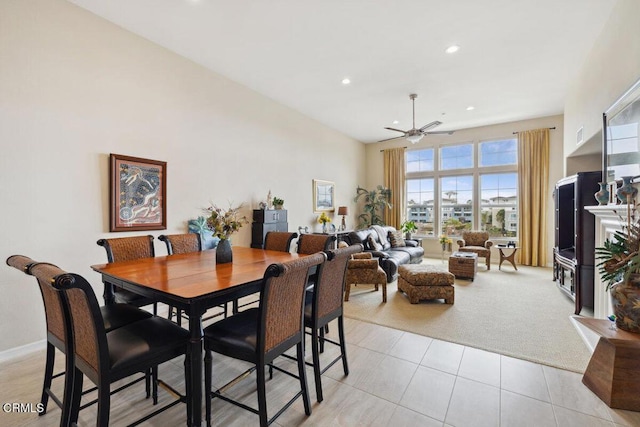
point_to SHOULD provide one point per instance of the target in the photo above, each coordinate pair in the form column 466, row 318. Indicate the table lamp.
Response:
column 343, row 210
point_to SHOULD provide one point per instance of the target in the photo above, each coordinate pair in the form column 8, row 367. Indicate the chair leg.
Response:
column 316, row 364
column 207, row 386
column 262, row 395
column 48, row 376
column 147, row 382
column 347, row 291
column 76, row 395
column 384, row 291
column 179, row 315
column 154, row 384
column 302, row 374
column 321, row 339
column 70, row 379
column 488, row 263
column 343, row 345
column 155, row 308
column 104, row 404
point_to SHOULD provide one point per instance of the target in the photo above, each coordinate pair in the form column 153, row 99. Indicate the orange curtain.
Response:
column 394, row 175
column 533, row 188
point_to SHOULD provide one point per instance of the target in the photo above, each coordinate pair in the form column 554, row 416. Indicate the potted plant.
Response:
column 619, row 269
column 223, row 223
column 278, row 203
column 374, row 202
column 409, row 227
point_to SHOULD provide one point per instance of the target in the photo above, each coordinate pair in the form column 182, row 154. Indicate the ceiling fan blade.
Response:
column 389, row 139
column 443, row 132
column 430, row 125
column 397, row 130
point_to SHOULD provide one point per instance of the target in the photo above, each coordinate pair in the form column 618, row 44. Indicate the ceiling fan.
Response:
column 414, row 135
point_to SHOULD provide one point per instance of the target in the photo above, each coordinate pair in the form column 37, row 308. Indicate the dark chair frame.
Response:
column 117, row 315
column 262, row 357
column 65, row 283
column 112, row 292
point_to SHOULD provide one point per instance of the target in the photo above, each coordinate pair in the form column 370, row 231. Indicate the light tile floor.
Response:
column 396, row 379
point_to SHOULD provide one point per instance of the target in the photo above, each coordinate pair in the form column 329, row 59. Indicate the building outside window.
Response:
column 471, row 186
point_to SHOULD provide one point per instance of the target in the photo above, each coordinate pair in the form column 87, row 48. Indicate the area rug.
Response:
column 515, row 313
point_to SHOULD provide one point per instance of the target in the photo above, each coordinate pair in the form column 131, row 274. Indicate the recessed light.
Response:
column 452, row 49
column 471, row 107
column 395, row 122
column 346, row 81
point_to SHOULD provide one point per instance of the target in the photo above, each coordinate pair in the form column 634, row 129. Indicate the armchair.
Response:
column 363, row 269
column 477, row 242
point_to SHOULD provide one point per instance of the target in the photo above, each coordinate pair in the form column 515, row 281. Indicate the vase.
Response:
column 627, row 192
column 224, row 254
column 602, row 196
column 324, row 227
column 625, row 298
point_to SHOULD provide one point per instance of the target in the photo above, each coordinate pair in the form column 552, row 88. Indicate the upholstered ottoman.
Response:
column 421, row 281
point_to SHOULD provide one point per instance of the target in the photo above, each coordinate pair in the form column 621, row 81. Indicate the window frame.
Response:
column 476, row 171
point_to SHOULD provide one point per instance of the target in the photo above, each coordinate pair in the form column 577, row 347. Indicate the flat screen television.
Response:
column 621, row 137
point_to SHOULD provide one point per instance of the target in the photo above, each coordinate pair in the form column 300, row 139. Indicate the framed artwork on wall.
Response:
column 323, row 196
column 138, row 194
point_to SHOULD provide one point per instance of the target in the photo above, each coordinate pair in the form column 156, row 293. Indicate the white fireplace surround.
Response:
column 609, row 219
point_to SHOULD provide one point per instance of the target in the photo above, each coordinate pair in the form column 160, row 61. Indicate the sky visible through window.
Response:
column 497, row 153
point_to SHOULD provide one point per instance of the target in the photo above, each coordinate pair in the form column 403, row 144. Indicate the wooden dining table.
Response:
column 192, row 282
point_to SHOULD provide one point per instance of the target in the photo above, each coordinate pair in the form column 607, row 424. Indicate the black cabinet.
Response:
column 264, row 221
column 573, row 252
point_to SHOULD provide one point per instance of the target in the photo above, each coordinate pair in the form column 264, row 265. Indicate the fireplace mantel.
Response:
column 609, row 219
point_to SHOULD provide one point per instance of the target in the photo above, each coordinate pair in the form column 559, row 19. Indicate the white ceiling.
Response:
column 516, row 58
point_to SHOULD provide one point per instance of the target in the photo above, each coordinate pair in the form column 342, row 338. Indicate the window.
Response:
column 472, row 186
column 420, row 160
column 420, row 197
column 498, row 202
column 456, row 157
column 456, row 204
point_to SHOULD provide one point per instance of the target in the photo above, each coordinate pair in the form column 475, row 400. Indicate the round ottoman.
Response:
column 421, row 281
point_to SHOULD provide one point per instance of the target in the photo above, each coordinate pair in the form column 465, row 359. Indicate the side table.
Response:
column 510, row 257
column 613, row 371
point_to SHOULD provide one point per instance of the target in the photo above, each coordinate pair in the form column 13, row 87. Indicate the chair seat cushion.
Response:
column 149, row 339
column 475, row 249
column 118, row 315
column 236, row 336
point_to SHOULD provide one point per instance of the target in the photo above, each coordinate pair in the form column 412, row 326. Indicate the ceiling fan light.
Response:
column 414, row 138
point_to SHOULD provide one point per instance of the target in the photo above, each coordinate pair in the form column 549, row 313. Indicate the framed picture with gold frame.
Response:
column 138, row 194
column 324, row 196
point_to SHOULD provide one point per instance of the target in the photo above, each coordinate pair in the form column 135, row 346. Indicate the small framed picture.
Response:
column 138, row 194
column 323, row 196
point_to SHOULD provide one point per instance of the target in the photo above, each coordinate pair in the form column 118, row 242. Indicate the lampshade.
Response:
column 343, row 210
column 414, row 138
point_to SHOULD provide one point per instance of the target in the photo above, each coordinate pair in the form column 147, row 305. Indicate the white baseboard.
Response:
column 23, row 350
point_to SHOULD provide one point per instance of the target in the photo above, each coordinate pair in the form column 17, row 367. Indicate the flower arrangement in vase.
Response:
column 446, row 242
column 324, row 219
column 619, row 269
column 223, row 223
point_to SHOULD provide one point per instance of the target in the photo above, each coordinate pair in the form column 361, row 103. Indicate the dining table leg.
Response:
column 195, row 356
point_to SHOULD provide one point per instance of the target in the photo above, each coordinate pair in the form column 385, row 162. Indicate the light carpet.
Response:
column 515, row 313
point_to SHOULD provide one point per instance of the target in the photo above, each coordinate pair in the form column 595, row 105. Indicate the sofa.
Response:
column 390, row 256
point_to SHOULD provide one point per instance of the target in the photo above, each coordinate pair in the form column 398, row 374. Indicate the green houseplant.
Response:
column 619, row 269
column 374, row 203
column 409, row 227
column 278, row 203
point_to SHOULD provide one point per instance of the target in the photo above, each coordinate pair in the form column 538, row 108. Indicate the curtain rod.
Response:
column 390, row 149
column 548, row 128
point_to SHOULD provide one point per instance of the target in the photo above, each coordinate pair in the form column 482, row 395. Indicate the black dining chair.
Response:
column 182, row 244
column 105, row 357
column 260, row 335
column 128, row 249
column 114, row 316
column 323, row 304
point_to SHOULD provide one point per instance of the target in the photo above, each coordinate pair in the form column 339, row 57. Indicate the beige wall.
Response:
column 610, row 69
column 74, row 88
column 505, row 130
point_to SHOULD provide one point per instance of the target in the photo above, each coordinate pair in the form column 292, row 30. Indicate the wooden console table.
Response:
column 613, row 373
